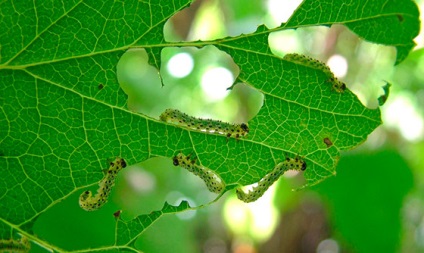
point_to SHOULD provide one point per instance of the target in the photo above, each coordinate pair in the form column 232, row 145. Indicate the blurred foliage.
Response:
column 365, row 200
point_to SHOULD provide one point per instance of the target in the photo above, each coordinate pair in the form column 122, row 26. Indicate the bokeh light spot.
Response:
column 215, row 82
column 180, row 65
column 338, row 65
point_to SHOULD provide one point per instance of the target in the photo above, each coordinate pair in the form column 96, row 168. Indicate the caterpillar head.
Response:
column 175, row 161
column 245, row 127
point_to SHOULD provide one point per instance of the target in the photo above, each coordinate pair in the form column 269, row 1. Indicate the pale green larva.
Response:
column 21, row 245
column 263, row 185
column 212, row 180
column 309, row 62
column 337, row 85
column 204, row 125
column 89, row 202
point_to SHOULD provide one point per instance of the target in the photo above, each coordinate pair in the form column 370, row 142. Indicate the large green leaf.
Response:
column 63, row 112
column 352, row 208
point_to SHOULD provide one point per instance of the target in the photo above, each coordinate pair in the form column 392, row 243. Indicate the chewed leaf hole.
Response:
column 205, row 78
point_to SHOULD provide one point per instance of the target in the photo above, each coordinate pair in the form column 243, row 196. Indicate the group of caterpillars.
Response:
column 89, row 202
column 213, row 182
column 337, row 85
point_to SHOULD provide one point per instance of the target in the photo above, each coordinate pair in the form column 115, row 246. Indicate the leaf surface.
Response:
column 63, row 113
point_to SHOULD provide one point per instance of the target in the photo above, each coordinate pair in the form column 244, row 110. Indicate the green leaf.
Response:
column 383, row 98
column 63, row 113
column 393, row 23
column 352, row 208
column 128, row 231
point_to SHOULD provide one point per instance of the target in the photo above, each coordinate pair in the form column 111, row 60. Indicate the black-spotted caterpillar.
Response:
column 89, row 202
column 204, row 125
column 289, row 164
column 338, row 85
column 21, row 245
column 212, row 180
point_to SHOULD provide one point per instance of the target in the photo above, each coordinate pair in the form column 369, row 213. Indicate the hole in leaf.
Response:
column 196, row 81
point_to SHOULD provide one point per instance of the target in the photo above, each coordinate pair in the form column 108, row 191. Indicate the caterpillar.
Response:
column 21, row 245
column 337, row 85
column 263, row 185
column 309, row 62
column 88, row 202
column 213, row 182
column 204, row 125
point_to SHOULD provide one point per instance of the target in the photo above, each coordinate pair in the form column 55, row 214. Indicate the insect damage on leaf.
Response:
column 337, row 85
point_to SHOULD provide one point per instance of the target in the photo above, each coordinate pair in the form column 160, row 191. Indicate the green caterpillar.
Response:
column 263, row 185
column 205, row 125
column 88, row 202
column 337, row 85
column 21, row 245
column 213, row 182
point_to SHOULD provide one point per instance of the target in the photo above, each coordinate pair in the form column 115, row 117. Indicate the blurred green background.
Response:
column 374, row 204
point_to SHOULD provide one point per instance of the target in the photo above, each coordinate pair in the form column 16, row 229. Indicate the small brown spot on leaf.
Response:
column 328, row 142
column 117, row 214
